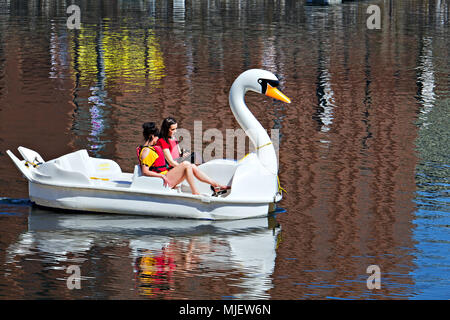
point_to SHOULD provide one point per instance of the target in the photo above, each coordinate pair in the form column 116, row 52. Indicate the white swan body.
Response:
column 78, row 182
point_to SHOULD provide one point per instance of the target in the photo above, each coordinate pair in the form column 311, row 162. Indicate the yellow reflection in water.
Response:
column 130, row 57
column 85, row 54
column 135, row 57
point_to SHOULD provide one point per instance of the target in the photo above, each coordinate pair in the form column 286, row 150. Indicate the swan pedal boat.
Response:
column 76, row 181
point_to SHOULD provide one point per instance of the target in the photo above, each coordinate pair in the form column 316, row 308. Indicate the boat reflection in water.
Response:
column 158, row 257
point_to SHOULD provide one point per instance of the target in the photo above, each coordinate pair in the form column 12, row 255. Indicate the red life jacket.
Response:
column 160, row 164
column 174, row 149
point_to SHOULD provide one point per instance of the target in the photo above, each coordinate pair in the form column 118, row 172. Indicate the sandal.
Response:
column 217, row 191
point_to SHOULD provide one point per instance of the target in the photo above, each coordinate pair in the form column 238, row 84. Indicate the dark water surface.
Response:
column 364, row 147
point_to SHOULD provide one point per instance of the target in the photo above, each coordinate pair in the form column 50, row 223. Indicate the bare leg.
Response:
column 203, row 177
column 181, row 172
column 176, row 175
column 190, row 180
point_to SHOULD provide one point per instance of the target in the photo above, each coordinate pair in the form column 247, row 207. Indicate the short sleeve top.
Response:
column 163, row 144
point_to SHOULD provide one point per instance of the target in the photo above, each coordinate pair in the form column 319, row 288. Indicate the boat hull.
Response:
column 135, row 203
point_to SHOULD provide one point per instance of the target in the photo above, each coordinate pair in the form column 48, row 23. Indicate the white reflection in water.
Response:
column 97, row 98
column 178, row 11
column 159, row 249
column 426, row 79
column 326, row 100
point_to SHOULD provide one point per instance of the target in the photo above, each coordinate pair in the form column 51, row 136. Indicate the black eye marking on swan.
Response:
column 264, row 82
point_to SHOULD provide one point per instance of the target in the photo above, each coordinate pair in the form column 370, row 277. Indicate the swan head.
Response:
column 262, row 81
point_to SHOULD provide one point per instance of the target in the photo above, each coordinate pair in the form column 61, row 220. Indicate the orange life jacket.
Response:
column 160, row 163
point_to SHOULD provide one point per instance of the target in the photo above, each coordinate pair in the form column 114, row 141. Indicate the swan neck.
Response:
column 254, row 130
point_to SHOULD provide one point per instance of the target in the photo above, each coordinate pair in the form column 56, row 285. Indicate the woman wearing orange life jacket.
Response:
column 153, row 164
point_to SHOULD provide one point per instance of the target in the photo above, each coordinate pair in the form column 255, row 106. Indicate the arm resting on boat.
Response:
column 147, row 172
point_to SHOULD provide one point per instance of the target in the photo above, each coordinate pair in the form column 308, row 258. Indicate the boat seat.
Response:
column 79, row 161
column 76, row 161
column 144, row 182
column 30, row 155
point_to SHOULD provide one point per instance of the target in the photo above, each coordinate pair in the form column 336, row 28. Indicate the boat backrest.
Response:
column 137, row 171
column 77, row 161
column 147, row 183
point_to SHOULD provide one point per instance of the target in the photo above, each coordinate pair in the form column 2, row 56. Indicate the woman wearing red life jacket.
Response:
column 153, row 164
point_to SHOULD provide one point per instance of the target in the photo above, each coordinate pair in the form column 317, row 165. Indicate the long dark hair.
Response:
column 149, row 129
column 165, row 126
